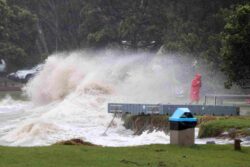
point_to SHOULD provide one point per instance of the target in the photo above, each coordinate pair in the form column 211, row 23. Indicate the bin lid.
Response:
column 182, row 115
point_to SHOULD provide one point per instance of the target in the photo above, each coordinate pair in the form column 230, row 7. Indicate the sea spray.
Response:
column 71, row 92
column 139, row 77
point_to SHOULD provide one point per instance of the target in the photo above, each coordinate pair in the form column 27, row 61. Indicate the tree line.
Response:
column 214, row 31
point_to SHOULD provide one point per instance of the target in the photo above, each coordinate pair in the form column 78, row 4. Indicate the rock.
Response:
column 210, row 142
column 224, row 135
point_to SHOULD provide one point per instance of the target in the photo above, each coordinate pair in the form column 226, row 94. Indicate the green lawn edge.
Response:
column 149, row 155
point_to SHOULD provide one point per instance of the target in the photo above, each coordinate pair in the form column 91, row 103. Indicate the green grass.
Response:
column 216, row 127
column 152, row 155
column 210, row 126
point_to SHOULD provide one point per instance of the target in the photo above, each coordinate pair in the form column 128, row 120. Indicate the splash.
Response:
column 70, row 94
column 140, row 77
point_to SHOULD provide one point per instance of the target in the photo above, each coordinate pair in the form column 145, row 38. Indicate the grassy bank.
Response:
column 153, row 155
column 210, row 126
column 236, row 127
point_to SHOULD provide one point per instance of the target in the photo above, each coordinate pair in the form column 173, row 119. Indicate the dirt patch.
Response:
column 141, row 123
column 75, row 142
column 124, row 161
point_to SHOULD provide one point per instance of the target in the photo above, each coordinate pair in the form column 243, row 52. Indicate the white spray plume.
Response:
column 129, row 78
column 72, row 90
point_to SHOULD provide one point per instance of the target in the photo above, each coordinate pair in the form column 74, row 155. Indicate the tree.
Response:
column 134, row 24
column 191, row 27
column 58, row 23
column 18, row 35
column 236, row 46
column 143, row 24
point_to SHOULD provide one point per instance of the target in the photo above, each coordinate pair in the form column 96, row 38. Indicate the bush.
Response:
column 216, row 127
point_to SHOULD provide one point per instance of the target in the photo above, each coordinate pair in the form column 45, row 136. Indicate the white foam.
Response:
column 70, row 96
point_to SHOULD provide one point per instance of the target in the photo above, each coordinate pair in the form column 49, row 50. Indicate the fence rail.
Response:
column 162, row 109
column 221, row 97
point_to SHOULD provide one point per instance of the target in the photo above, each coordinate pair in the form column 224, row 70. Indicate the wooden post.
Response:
column 237, row 146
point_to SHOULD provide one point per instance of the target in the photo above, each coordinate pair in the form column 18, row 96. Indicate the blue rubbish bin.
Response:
column 182, row 125
column 182, row 119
